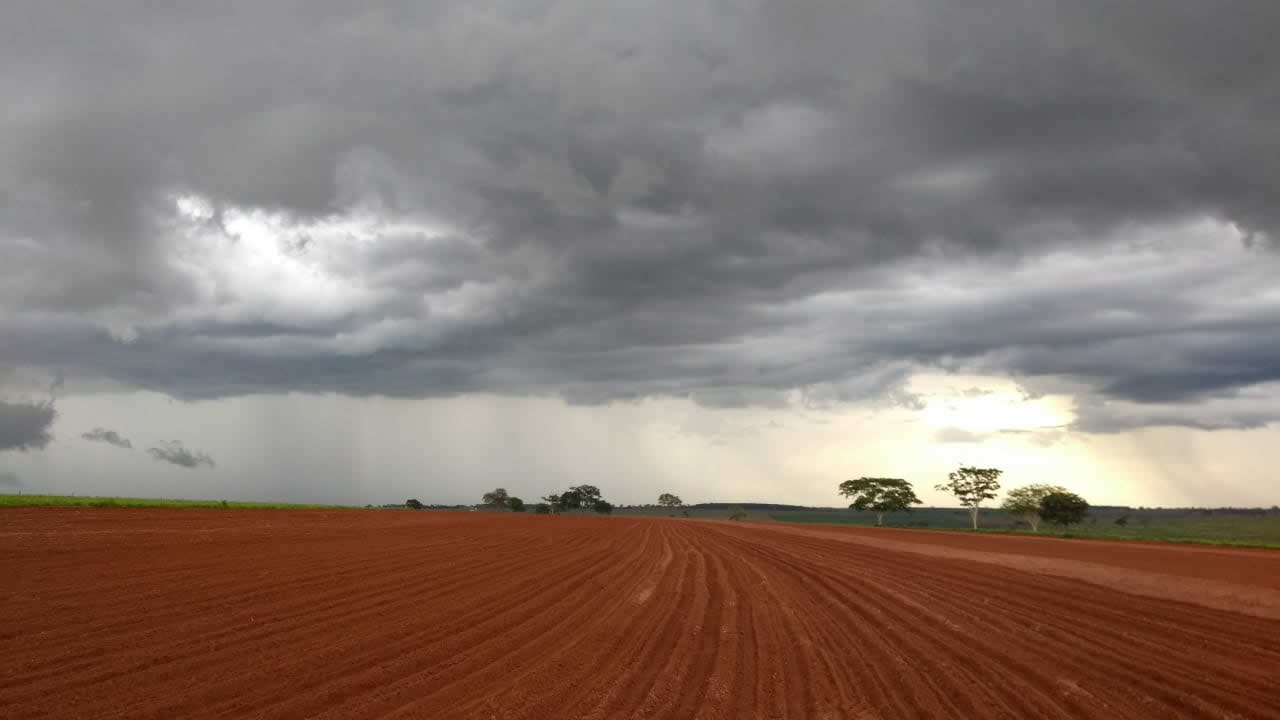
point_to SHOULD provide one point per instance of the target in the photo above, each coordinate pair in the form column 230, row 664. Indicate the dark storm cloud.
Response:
column 25, row 425
column 173, row 452
column 110, row 437
column 640, row 201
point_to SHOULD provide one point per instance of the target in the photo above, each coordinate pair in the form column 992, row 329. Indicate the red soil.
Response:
column 119, row 613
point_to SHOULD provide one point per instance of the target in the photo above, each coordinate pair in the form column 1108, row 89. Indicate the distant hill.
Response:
column 754, row 506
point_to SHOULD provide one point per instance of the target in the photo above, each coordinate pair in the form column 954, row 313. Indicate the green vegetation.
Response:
column 1063, row 508
column 496, row 499
column 578, row 497
column 1245, row 527
column 972, row 485
column 98, row 502
column 754, row 512
column 880, row 495
column 1025, row 502
column 669, row 500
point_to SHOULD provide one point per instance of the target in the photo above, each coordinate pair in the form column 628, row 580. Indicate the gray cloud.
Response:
column 728, row 203
column 11, row 481
column 111, row 437
column 25, row 425
column 173, row 451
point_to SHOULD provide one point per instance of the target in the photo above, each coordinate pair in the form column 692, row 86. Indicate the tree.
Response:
column 516, row 504
column 496, row 499
column 413, row 504
column 542, row 508
column 1025, row 502
column 737, row 513
column 570, row 500
column 972, row 485
column 578, row 497
column 588, row 495
column 669, row 500
column 602, row 507
column 879, row 495
column 1063, row 508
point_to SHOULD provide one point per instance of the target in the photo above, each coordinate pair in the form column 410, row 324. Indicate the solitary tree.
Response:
column 669, row 500
column 411, row 503
column 496, row 499
column 588, row 495
column 1063, row 508
column 879, row 495
column 972, row 485
column 737, row 513
column 516, row 504
column 1025, row 502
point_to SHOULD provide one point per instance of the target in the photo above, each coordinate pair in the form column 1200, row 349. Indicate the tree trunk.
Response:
column 973, row 514
column 1034, row 521
column 879, row 519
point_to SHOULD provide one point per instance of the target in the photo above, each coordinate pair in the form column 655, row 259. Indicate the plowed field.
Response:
column 118, row 613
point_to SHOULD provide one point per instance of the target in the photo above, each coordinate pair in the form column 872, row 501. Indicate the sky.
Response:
column 739, row 251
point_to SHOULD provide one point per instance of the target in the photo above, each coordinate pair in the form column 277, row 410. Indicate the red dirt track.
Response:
column 119, row 613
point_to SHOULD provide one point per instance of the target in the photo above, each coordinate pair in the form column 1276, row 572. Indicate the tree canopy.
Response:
column 516, row 504
column 496, row 499
column 1063, row 508
column 578, row 497
column 570, row 500
column 972, row 485
column 588, row 495
column 1025, row 502
column 413, row 504
column 669, row 500
column 880, row 495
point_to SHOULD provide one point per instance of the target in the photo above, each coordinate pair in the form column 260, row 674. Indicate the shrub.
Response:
column 413, row 504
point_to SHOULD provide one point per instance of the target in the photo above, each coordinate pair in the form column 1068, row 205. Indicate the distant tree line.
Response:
column 578, row 497
column 972, row 486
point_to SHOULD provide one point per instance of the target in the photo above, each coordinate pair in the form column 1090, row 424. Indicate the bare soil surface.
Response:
column 119, row 613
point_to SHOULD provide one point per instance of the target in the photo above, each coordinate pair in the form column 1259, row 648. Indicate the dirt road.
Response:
column 117, row 613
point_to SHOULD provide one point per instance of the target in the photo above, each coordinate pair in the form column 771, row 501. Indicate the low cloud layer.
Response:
column 110, row 437
column 10, row 481
column 733, row 204
column 25, row 425
column 173, row 452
